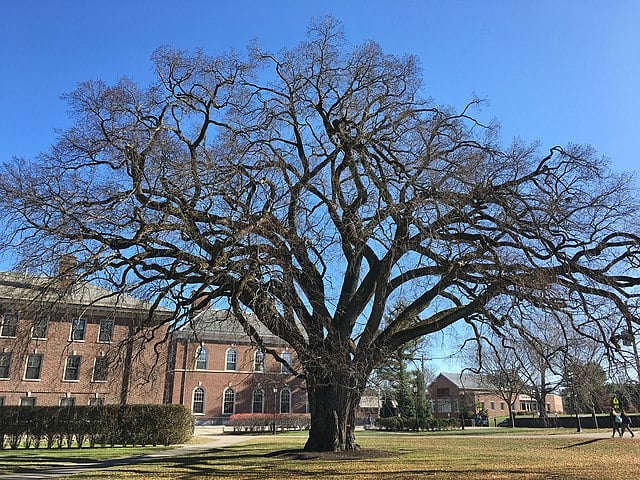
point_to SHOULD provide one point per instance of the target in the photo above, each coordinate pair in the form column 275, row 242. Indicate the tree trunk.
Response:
column 333, row 414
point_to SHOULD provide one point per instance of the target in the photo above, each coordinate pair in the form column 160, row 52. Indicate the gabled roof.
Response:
column 214, row 324
column 466, row 381
column 39, row 291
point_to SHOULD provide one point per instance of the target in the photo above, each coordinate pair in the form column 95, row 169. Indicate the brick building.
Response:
column 78, row 345
column 216, row 371
column 449, row 390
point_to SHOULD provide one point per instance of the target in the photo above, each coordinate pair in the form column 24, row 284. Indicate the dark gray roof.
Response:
column 214, row 324
column 466, row 381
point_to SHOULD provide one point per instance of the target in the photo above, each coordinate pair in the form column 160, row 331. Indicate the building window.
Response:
column 78, row 329
column 100, row 369
column 72, row 368
column 28, row 402
column 229, row 402
column 40, row 327
column 258, row 361
column 9, row 324
column 96, row 401
column 287, row 357
column 442, row 392
column 202, row 358
column 198, row 401
column 548, row 407
column 257, row 404
column 502, row 405
column 232, row 359
column 105, row 334
column 285, row 400
column 1, row 401
column 34, row 362
column 5, row 365
column 67, row 402
column 493, row 405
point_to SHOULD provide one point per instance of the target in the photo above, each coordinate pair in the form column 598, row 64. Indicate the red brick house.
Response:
column 215, row 371
column 69, row 347
column 449, row 390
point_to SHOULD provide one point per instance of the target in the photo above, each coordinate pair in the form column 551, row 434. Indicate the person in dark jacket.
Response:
column 626, row 424
column 616, row 421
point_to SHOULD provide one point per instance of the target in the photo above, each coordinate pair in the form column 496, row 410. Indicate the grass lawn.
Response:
column 388, row 456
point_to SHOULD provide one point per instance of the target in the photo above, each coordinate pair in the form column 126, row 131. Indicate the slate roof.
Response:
column 214, row 324
column 466, row 381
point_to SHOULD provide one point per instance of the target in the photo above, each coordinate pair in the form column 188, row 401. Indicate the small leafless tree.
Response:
column 313, row 187
column 502, row 370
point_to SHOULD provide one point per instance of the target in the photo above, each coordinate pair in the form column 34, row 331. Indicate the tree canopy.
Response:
column 313, row 187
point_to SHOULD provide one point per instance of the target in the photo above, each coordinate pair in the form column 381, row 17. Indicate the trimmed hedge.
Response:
column 264, row 422
column 400, row 424
column 94, row 426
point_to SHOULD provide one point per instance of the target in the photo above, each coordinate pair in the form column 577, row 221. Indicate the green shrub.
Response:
column 106, row 425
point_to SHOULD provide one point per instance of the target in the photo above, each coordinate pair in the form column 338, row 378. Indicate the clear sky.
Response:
column 557, row 71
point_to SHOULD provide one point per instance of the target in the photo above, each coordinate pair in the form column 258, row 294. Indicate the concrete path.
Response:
column 213, row 438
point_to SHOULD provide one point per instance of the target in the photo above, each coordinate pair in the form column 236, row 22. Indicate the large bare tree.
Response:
column 313, row 187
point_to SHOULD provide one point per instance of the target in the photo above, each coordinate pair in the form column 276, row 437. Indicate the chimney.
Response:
column 200, row 303
column 67, row 268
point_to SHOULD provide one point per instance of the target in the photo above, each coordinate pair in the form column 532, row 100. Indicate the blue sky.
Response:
column 557, row 71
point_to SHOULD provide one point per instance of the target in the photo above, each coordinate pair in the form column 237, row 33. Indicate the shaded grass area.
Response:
column 19, row 460
column 395, row 456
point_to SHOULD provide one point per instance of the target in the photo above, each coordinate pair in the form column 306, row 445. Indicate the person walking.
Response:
column 616, row 421
column 626, row 424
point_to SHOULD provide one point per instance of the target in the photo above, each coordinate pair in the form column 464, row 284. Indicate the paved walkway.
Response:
column 213, row 438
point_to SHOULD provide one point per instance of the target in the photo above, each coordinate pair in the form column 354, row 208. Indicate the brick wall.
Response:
column 184, row 378
column 143, row 383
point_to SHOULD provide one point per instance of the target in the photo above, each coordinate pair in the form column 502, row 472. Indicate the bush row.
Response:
column 399, row 424
column 263, row 422
column 94, row 426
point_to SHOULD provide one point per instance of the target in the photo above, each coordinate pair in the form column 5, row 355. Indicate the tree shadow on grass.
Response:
column 580, row 444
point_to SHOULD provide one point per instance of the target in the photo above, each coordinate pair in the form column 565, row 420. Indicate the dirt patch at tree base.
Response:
column 344, row 455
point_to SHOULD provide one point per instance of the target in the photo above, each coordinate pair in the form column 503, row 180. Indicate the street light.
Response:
column 575, row 404
column 275, row 405
column 415, row 392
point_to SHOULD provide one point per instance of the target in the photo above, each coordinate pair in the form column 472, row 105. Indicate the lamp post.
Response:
column 275, row 406
column 415, row 392
column 575, row 403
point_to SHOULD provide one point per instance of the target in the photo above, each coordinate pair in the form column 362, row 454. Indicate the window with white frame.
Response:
column 229, row 402
column 96, row 402
column 285, row 400
column 72, row 368
column 100, row 369
column 258, row 361
column 105, row 332
column 197, row 405
column 202, row 358
column 28, row 402
column 5, row 364
column 257, row 404
column 8, row 324
column 67, row 402
column 40, row 328
column 34, row 364
column 287, row 357
column 232, row 359
column 78, row 329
